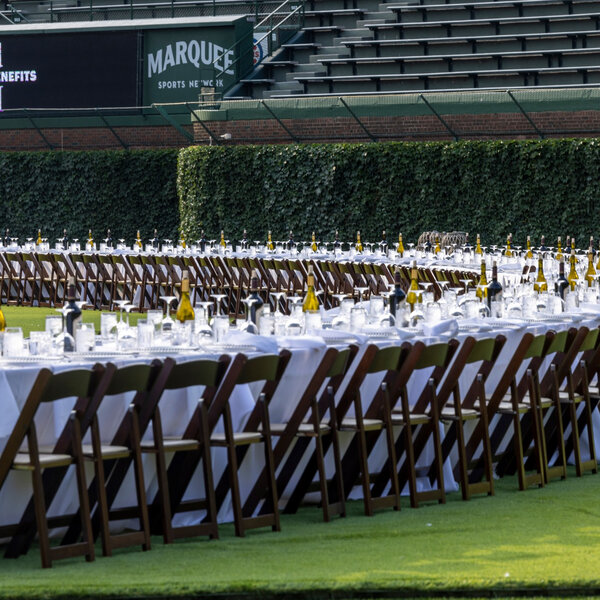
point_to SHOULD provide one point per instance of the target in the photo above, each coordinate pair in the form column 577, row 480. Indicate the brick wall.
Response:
column 428, row 127
column 92, row 138
column 339, row 129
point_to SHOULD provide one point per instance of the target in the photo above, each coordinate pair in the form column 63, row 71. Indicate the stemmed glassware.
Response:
column 64, row 341
column 278, row 316
column 295, row 323
column 168, row 320
column 248, row 326
column 218, row 298
column 202, row 321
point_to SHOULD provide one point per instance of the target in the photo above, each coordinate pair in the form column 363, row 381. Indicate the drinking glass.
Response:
column 342, row 319
column 145, row 333
column 13, row 342
column 358, row 318
column 155, row 317
column 312, row 322
column 85, row 337
column 267, row 324
column 220, row 327
column 248, row 325
column 218, row 298
column 108, row 326
column 168, row 320
column 40, row 343
column 202, row 322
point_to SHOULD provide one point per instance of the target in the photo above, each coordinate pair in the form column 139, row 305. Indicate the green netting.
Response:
column 409, row 104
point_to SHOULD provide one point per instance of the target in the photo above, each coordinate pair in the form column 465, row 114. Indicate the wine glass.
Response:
column 64, row 341
column 121, row 304
column 202, row 322
column 168, row 321
column 361, row 292
column 218, row 298
column 248, row 325
column 295, row 323
column 127, row 336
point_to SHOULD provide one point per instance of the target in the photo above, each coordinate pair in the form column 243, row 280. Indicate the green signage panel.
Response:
column 179, row 62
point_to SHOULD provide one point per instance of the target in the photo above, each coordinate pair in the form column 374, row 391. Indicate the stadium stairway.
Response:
column 366, row 46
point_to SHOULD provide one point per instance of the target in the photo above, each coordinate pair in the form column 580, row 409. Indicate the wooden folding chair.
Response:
column 269, row 369
column 368, row 423
column 425, row 414
column 471, row 406
column 307, row 422
column 194, row 443
column 48, row 388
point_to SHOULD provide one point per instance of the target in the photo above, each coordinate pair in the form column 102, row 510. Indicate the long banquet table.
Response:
column 16, row 379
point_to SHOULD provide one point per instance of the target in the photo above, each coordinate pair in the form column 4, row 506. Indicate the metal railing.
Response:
column 281, row 24
column 55, row 11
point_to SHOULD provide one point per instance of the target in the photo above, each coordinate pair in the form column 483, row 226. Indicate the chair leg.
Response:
column 518, row 443
column 40, row 517
column 270, row 464
column 232, row 467
column 209, row 482
column 364, row 470
column 139, row 478
column 322, row 477
column 84, row 508
column 337, row 458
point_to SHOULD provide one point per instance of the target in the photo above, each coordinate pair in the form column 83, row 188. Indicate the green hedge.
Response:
column 120, row 190
column 491, row 187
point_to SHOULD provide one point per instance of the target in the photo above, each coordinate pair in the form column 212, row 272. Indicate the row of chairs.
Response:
column 519, row 427
column 32, row 278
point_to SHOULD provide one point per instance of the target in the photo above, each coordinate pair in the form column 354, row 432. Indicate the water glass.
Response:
column 13, row 342
column 108, row 326
column 156, row 318
column 220, row 327
column 358, row 318
column 85, row 337
column 40, row 343
column 182, row 333
column 267, row 324
column 145, row 333
column 54, row 324
column 313, row 322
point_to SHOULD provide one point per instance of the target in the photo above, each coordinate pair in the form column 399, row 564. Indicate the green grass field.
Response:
column 539, row 542
column 33, row 319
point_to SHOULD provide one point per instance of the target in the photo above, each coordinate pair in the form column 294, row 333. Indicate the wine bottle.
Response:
column 257, row 307
column 400, row 247
column 413, row 296
column 592, row 249
column 337, row 245
column 494, row 290
column 90, row 240
column 562, row 285
column 383, row 245
column 568, row 244
column 591, row 271
column 398, row 297
column 39, row 238
column 427, row 246
column 543, row 247
column 185, row 311
column 291, row 244
column 270, row 245
column 559, row 253
column 73, row 316
column 2, row 320
column 65, row 240
column 540, row 285
column 437, row 248
column 311, row 302
column 222, row 242
column 572, row 244
column 529, row 253
column 7, row 238
column 109, row 242
column 467, row 246
column 508, row 251
column 358, row 245
column 478, row 249
column 138, row 240
column 482, row 288
column 313, row 243
column 202, row 242
column 573, row 277
column 182, row 241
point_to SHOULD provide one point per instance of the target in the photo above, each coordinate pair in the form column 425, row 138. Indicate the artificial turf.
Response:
column 538, row 542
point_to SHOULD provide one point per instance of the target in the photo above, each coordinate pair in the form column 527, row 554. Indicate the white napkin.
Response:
column 260, row 342
column 300, row 341
column 448, row 327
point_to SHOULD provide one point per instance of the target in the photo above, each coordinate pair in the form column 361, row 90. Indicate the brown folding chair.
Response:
column 269, row 369
column 194, row 443
column 48, row 388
